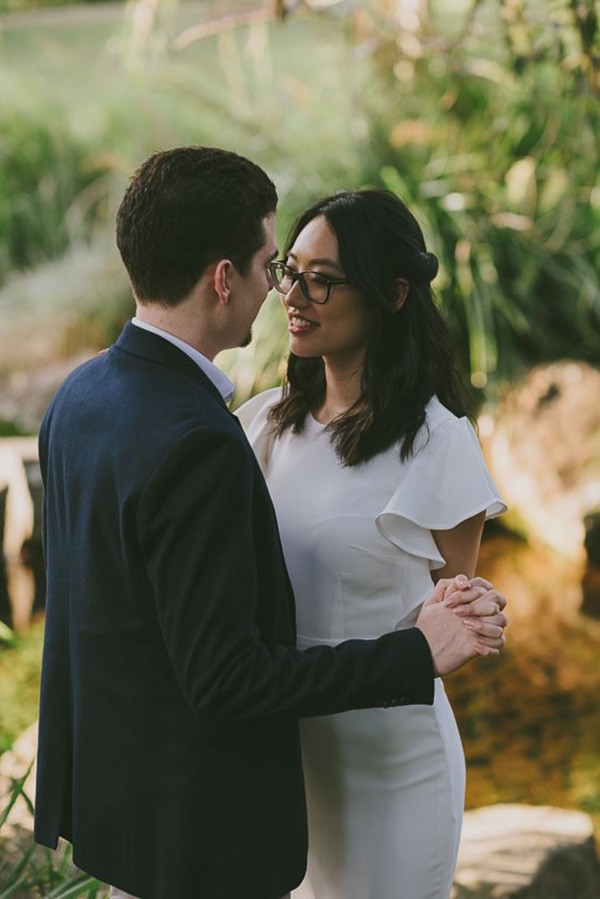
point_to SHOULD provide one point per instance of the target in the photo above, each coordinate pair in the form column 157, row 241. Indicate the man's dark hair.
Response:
column 409, row 355
column 186, row 208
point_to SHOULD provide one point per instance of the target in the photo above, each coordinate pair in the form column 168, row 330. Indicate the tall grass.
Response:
column 20, row 660
column 485, row 124
column 35, row 871
column 50, row 192
column 494, row 140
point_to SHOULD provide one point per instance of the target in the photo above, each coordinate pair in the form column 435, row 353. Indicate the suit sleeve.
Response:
column 196, row 528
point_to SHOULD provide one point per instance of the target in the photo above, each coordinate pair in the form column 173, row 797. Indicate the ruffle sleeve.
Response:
column 444, row 483
column 254, row 418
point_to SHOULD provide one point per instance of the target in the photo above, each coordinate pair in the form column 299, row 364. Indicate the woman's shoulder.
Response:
column 437, row 414
column 445, row 481
column 254, row 418
column 257, row 408
column 440, row 425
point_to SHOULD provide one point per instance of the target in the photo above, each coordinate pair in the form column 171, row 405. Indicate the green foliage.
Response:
column 259, row 365
column 52, row 875
column 37, row 871
column 10, row 429
column 7, row 6
column 494, row 142
column 484, row 118
column 20, row 657
column 48, row 189
column 7, row 636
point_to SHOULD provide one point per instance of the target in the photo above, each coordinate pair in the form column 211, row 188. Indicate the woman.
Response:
column 379, row 486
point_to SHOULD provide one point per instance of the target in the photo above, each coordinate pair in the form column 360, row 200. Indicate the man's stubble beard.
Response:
column 247, row 339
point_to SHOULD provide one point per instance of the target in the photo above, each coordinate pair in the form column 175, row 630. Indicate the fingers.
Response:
column 487, row 585
column 461, row 592
column 455, row 584
column 451, row 584
column 488, row 628
column 438, row 591
column 477, row 603
column 499, row 619
column 458, row 599
column 490, row 637
column 479, row 606
column 481, row 582
column 486, row 651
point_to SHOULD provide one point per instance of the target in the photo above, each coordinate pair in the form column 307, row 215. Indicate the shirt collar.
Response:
column 223, row 384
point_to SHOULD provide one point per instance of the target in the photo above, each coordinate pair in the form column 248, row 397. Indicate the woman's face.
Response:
column 339, row 329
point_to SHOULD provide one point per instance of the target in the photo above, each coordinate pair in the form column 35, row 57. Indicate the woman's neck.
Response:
column 343, row 387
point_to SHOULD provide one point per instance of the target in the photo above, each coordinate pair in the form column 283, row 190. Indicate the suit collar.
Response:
column 218, row 377
column 147, row 345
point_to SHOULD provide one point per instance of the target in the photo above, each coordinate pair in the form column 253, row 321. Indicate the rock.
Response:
column 52, row 318
column 26, row 393
column 527, row 852
column 542, row 443
column 590, row 582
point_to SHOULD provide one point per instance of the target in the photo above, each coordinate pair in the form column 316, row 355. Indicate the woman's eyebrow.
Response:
column 318, row 261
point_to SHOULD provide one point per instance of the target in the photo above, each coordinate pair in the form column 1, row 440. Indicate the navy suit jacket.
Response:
column 171, row 686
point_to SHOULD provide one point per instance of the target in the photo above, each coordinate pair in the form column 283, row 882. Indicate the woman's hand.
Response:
column 480, row 606
column 476, row 597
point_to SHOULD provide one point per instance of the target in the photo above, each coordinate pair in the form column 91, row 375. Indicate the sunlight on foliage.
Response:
column 483, row 116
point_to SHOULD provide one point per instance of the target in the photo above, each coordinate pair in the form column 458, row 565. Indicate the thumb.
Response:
column 438, row 591
column 456, row 584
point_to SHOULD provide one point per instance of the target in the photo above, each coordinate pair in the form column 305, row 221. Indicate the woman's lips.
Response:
column 298, row 324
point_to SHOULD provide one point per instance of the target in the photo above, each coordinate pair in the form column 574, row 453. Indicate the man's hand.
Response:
column 461, row 620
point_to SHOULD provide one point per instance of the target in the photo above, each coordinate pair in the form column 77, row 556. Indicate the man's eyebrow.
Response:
column 274, row 255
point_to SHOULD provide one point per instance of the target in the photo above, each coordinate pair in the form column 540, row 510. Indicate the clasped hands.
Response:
column 461, row 619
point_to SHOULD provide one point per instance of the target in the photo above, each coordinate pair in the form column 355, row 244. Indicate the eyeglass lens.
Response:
column 313, row 285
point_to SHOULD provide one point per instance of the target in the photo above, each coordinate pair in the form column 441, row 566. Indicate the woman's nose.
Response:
column 294, row 297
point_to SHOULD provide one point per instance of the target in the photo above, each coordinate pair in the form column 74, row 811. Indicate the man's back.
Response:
column 129, row 770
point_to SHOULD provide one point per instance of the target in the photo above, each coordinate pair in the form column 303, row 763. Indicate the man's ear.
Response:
column 402, row 288
column 221, row 280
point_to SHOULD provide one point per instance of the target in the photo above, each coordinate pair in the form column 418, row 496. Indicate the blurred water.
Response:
column 530, row 720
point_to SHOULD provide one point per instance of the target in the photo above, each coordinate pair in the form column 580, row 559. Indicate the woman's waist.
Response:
column 372, row 732
column 368, row 627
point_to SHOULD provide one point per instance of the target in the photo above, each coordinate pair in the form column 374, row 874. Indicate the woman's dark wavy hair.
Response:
column 410, row 354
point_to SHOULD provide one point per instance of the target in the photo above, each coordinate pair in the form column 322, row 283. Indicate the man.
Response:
column 171, row 688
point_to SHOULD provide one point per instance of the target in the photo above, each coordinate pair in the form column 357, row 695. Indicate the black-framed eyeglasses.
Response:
column 315, row 286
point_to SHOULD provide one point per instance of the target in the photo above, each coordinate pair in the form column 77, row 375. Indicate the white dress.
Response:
column 385, row 787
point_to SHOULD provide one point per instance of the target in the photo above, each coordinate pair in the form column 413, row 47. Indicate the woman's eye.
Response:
column 316, row 278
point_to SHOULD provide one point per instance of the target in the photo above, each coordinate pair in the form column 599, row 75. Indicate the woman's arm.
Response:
column 460, row 547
